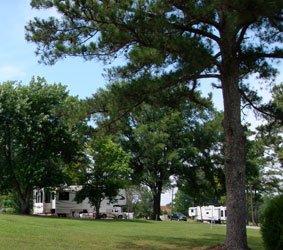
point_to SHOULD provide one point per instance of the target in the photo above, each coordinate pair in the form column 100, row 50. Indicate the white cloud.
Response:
column 10, row 72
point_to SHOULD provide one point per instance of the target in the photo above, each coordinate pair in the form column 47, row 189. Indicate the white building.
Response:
column 61, row 202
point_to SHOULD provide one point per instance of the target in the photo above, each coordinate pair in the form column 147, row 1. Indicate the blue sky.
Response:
column 18, row 61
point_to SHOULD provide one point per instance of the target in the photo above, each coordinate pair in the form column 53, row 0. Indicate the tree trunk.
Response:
column 156, row 202
column 255, row 206
column 24, row 205
column 252, row 207
column 97, row 208
column 236, row 237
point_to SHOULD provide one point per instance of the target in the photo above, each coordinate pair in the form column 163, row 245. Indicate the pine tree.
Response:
column 180, row 42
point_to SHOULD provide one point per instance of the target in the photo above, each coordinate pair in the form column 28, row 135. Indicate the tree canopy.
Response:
column 36, row 139
column 180, row 140
column 106, row 173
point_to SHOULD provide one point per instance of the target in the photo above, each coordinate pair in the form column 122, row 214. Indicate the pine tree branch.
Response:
column 196, row 31
column 205, row 19
column 206, row 76
column 204, row 33
column 250, row 102
column 242, row 35
column 277, row 54
column 258, row 55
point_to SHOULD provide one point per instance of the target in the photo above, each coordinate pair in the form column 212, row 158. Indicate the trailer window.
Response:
column 192, row 210
column 225, row 213
column 39, row 195
column 64, row 196
column 221, row 213
column 47, row 197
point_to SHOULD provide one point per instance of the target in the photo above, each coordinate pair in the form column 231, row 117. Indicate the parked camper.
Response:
column 61, row 202
column 208, row 213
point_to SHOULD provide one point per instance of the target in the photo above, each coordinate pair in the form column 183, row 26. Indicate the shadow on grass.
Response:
column 84, row 219
column 160, row 242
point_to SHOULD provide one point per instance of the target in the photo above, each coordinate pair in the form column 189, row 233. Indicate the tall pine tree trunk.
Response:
column 236, row 237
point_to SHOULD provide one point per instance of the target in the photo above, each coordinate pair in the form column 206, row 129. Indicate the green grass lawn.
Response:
column 26, row 232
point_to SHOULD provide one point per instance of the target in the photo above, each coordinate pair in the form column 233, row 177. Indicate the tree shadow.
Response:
column 87, row 219
column 159, row 242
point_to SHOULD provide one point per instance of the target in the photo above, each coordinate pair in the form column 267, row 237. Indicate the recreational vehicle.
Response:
column 61, row 202
column 208, row 213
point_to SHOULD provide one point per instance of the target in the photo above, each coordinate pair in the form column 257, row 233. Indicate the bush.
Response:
column 7, row 204
column 6, row 201
column 272, row 224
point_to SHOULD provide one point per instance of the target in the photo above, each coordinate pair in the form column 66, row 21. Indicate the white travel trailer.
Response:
column 208, row 213
column 61, row 202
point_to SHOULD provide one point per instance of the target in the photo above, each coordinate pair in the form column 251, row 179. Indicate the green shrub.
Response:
column 272, row 224
column 6, row 201
column 9, row 210
column 7, row 204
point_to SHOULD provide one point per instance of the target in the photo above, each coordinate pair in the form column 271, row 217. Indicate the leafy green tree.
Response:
column 156, row 134
column 202, row 177
column 268, row 145
column 263, row 173
column 130, row 192
column 255, row 187
column 271, row 223
column 271, row 133
column 153, row 137
column 275, row 106
column 182, row 202
column 159, row 138
column 264, row 158
column 163, row 141
column 106, row 173
column 143, row 203
column 36, row 140
column 180, row 42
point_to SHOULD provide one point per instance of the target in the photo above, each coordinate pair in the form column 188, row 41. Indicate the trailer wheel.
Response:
column 120, row 217
column 104, row 216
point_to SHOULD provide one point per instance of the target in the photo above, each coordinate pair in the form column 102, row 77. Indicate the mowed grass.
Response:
column 27, row 232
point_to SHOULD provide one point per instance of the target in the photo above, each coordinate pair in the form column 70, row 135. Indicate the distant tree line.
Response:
column 46, row 140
